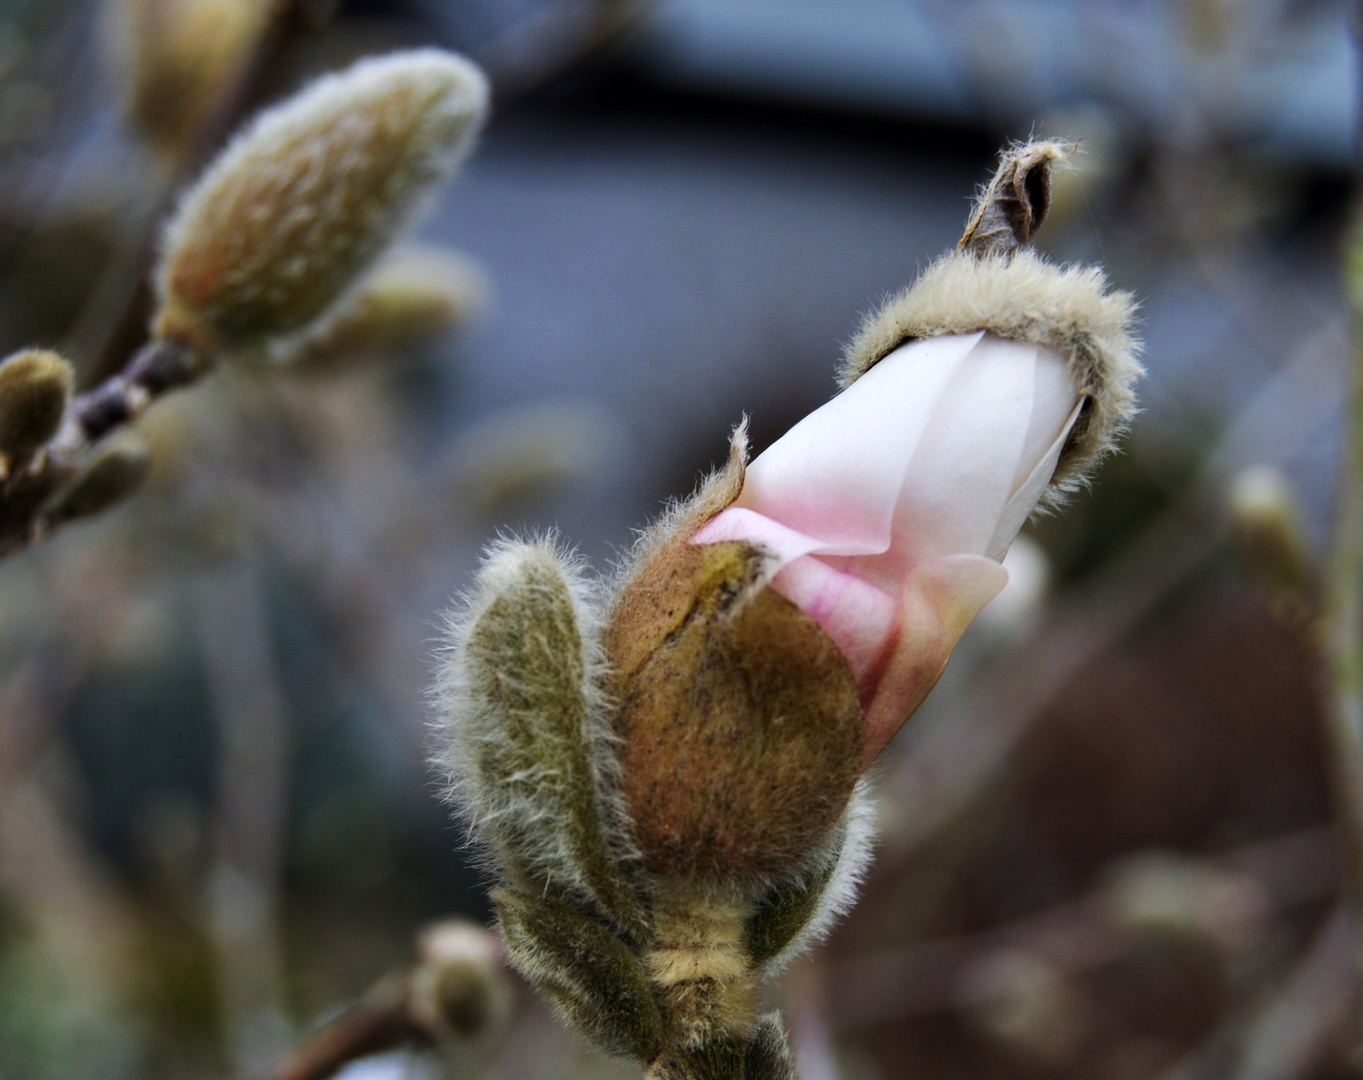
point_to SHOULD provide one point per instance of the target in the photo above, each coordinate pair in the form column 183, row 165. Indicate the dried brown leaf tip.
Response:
column 1014, row 204
column 303, row 201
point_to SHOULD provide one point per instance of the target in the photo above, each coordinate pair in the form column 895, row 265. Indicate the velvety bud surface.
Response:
column 739, row 727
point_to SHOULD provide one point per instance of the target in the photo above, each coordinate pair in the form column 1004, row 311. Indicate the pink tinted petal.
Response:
column 738, row 523
column 858, row 617
column 938, row 601
column 837, row 474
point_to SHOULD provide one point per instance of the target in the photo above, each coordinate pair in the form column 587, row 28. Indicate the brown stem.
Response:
column 369, row 1028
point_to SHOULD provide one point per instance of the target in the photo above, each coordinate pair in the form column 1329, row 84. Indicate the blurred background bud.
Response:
column 176, row 60
column 35, row 387
column 533, row 448
column 416, row 293
column 115, row 470
column 1267, row 530
column 1026, row 1003
column 294, row 211
column 1163, row 894
column 1013, row 615
column 460, row 987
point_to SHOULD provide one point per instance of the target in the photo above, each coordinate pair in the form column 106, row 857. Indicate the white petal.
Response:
column 961, row 474
column 838, row 473
column 1029, row 492
column 1053, row 401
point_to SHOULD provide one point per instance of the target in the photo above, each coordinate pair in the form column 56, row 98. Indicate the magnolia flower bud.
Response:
column 458, row 988
column 671, row 782
column 890, row 509
column 35, row 388
column 291, row 214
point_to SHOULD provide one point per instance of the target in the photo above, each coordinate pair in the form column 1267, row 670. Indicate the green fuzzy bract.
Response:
column 524, row 748
column 596, row 983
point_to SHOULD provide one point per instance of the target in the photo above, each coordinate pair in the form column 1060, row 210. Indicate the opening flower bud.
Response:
column 889, row 509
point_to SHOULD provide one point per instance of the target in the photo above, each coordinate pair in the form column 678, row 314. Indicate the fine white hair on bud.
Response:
column 1021, row 297
column 529, row 754
column 292, row 213
column 35, row 389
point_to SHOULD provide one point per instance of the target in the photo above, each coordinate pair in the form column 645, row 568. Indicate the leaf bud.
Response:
column 115, row 470
column 292, row 213
column 35, row 388
column 459, row 987
column 1268, row 534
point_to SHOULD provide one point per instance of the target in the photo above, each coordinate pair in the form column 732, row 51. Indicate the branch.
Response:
column 30, row 497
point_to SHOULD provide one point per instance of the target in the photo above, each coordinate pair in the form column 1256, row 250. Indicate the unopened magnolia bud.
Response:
column 415, row 293
column 293, row 212
column 35, row 388
column 176, row 59
column 1268, row 534
column 116, row 469
column 739, row 725
column 459, row 988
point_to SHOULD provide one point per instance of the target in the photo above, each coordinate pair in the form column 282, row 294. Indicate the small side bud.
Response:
column 117, row 469
column 296, row 209
column 1267, row 527
column 35, row 388
column 176, row 59
column 416, row 293
column 529, row 754
column 459, row 988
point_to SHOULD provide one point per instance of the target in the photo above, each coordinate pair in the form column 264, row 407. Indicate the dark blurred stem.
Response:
column 1340, row 622
column 157, row 368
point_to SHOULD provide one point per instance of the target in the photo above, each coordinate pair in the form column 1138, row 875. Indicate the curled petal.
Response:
column 938, row 601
